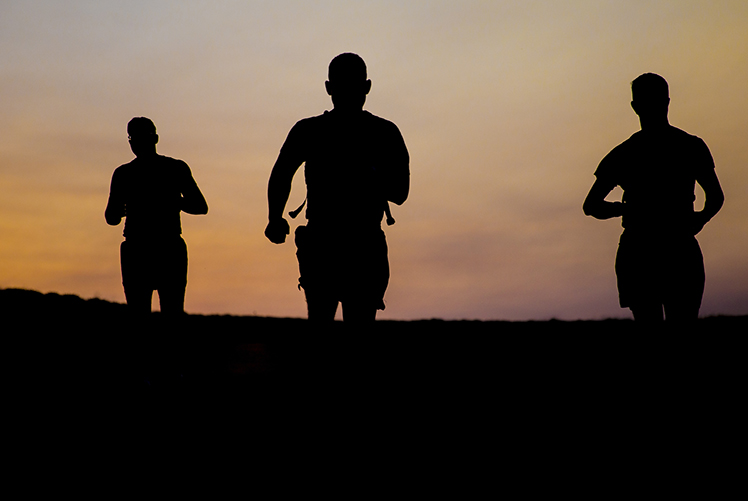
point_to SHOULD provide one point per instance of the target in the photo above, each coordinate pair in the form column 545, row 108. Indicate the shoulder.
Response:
column 305, row 128
column 173, row 163
column 617, row 157
column 124, row 169
column 381, row 122
column 693, row 148
column 680, row 133
column 625, row 148
column 310, row 122
column 384, row 130
column 685, row 137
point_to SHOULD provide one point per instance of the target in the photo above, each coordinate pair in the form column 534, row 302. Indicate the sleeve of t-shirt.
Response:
column 705, row 161
column 608, row 169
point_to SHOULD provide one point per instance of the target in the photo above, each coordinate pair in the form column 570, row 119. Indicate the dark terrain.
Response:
column 80, row 365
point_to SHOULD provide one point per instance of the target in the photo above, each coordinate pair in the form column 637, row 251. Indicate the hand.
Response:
column 276, row 230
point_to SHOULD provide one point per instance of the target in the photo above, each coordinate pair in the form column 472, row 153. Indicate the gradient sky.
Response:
column 506, row 108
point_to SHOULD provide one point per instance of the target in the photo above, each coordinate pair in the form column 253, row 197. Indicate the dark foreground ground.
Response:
column 81, row 368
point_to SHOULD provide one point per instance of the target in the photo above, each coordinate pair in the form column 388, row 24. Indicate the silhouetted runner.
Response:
column 354, row 163
column 659, row 262
column 150, row 192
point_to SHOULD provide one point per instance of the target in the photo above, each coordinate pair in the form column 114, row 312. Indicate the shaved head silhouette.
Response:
column 347, row 67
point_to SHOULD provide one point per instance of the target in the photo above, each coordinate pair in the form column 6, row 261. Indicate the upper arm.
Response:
column 292, row 155
column 397, row 167
column 710, row 183
column 706, row 176
column 194, row 201
column 607, row 177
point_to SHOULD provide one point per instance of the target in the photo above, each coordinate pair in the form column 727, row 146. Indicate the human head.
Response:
column 650, row 95
column 142, row 134
column 347, row 84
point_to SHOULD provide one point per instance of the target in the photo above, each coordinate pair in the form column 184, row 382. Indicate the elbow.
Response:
column 587, row 209
column 199, row 208
column 720, row 200
column 203, row 208
column 713, row 204
column 398, row 197
column 399, row 200
column 194, row 206
column 111, row 221
column 596, row 211
column 196, row 211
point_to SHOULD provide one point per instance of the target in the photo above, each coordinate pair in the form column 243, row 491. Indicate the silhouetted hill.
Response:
column 55, row 312
column 78, row 368
column 96, row 336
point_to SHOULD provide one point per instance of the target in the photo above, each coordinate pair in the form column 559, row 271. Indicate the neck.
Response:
column 653, row 123
column 347, row 110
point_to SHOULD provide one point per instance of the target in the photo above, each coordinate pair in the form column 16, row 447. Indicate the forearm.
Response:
column 602, row 209
column 115, row 205
column 713, row 194
column 194, row 204
column 712, row 206
column 595, row 204
column 279, row 189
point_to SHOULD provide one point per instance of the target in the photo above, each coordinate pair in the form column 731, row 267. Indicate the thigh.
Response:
column 682, row 298
column 135, row 278
column 136, row 265
column 359, row 312
column 367, row 274
column 138, row 299
column 318, row 266
column 172, row 276
column 637, row 273
column 171, row 300
column 320, row 307
column 647, row 312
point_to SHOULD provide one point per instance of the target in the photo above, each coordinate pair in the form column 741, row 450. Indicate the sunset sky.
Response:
column 506, row 108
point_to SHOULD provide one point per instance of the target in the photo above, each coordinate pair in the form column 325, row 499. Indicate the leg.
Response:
column 172, row 278
column 368, row 278
column 138, row 292
column 638, row 274
column 171, row 300
column 686, row 279
column 320, row 309
column 681, row 312
column 138, row 300
column 315, row 276
column 647, row 312
column 357, row 312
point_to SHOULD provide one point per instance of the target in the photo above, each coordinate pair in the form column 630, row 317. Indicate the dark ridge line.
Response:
column 27, row 298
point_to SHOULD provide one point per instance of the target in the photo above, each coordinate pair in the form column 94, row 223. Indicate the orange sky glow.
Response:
column 506, row 109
